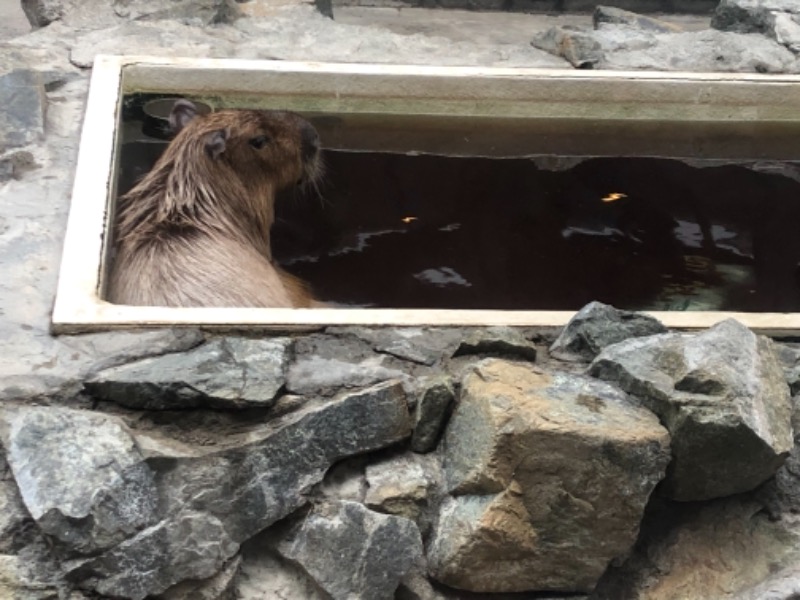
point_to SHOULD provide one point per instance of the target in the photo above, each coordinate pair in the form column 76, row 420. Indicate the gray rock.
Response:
column 22, row 97
column 13, row 515
column 617, row 16
column 318, row 375
column 783, row 585
column 620, row 47
column 786, row 29
column 352, row 552
column 210, row 502
column 430, row 417
column 406, row 485
column 43, row 12
column 229, row 373
column 415, row 586
column 28, row 576
column 598, row 325
column 551, row 474
column 577, row 46
column 415, row 344
column 497, row 341
column 346, row 480
column 750, row 16
column 16, row 164
column 193, row 12
column 80, row 475
column 218, row 587
column 265, row 575
column 94, row 14
column 189, row 545
column 250, row 486
column 727, row 548
column 721, row 394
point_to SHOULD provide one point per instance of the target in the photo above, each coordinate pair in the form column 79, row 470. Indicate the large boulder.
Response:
column 549, row 474
column 723, row 397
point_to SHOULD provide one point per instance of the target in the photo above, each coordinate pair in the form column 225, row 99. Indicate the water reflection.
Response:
column 501, row 233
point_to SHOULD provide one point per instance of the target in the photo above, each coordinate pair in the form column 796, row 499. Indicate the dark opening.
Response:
column 428, row 231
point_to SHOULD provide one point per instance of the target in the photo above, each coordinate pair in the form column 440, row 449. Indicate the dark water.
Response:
column 424, row 231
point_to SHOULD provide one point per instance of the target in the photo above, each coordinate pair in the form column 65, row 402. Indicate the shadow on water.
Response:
column 426, row 231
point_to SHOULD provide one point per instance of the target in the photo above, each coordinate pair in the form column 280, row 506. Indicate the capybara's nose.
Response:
column 309, row 141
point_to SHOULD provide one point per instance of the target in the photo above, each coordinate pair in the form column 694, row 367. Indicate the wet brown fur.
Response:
column 196, row 230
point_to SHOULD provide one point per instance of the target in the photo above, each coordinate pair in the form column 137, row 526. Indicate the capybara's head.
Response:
column 262, row 147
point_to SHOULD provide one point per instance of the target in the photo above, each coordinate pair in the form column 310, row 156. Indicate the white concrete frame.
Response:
column 737, row 100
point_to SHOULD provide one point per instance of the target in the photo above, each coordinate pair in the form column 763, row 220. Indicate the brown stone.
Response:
column 550, row 473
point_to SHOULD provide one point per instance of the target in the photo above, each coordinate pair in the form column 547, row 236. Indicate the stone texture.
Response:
column 13, row 515
column 25, row 577
column 728, row 548
column 430, row 417
column 295, row 33
column 80, row 475
column 189, row 545
column 335, row 538
column 497, row 341
column 406, row 485
column 43, row 12
column 783, row 585
column 422, row 346
column 750, row 16
column 777, row 19
column 15, row 164
column 722, row 395
column 171, row 512
column 276, row 465
column 23, row 99
column 265, row 575
column 230, row 373
column 90, row 14
column 616, row 16
column 195, row 12
column 325, row 365
column 550, row 473
column 218, row 587
column 620, row 47
column 598, row 325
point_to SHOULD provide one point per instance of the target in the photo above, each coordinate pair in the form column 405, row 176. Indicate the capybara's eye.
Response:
column 259, row 141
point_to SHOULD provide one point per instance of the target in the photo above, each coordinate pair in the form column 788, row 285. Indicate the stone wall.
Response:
column 615, row 461
column 548, row 6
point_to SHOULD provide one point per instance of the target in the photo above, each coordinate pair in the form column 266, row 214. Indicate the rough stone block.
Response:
column 723, row 397
column 550, row 473
column 80, row 475
column 189, row 545
column 598, row 325
column 497, row 341
column 224, row 373
column 433, row 407
column 353, row 552
column 407, row 485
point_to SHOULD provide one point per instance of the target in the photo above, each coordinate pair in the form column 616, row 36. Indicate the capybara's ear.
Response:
column 183, row 111
column 215, row 142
